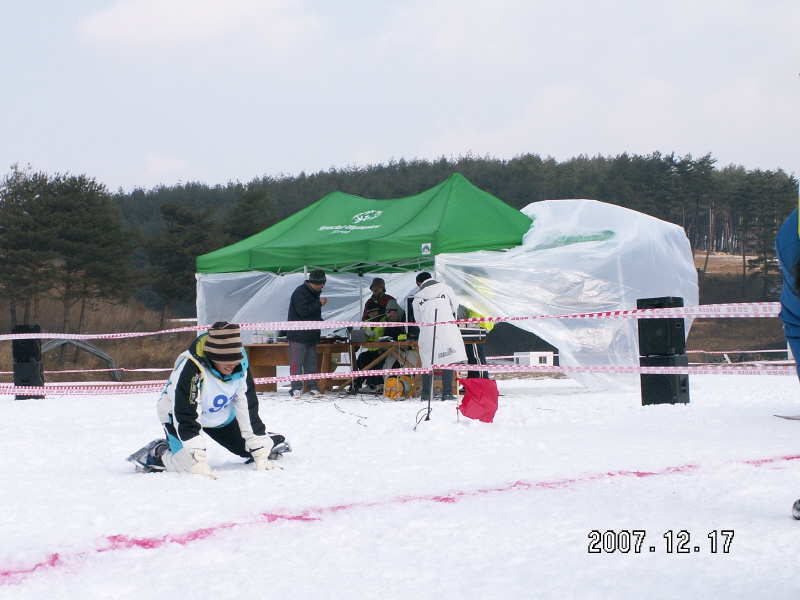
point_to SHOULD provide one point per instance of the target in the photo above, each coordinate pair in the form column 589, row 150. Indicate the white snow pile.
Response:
column 367, row 507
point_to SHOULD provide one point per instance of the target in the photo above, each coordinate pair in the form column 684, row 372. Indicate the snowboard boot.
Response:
column 281, row 445
column 148, row 459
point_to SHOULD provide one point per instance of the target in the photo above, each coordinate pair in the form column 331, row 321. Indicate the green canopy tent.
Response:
column 348, row 234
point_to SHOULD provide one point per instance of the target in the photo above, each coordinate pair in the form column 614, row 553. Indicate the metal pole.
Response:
column 433, row 354
column 360, row 295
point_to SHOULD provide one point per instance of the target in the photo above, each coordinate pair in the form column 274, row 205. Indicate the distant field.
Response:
column 720, row 263
column 732, row 334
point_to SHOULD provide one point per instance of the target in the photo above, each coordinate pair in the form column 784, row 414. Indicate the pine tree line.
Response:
column 724, row 210
column 67, row 237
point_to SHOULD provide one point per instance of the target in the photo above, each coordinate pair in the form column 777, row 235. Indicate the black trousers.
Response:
column 362, row 361
column 476, row 359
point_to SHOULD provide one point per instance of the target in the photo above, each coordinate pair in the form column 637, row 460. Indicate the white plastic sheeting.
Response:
column 579, row 256
column 258, row 297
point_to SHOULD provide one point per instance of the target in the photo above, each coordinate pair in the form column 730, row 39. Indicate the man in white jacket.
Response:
column 436, row 302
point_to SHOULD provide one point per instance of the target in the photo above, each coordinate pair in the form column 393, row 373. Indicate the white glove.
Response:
column 261, row 458
column 198, row 464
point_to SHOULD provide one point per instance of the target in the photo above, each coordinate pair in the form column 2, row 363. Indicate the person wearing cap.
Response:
column 435, row 302
column 305, row 305
column 210, row 393
column 375, row 313
column 410, row 357
column 394, row 314
column 379, row 295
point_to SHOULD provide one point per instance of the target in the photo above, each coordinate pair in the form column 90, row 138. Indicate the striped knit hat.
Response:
column 224, row 343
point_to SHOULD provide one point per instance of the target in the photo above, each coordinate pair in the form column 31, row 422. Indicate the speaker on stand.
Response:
column 662, row 343
column 27, row 358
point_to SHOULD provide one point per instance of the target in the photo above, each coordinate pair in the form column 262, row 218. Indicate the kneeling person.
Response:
column 210, row 390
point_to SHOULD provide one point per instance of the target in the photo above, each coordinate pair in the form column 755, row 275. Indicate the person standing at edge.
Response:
column 435, row 302
column 379, row 295
column 306, row 305
column 787, row 248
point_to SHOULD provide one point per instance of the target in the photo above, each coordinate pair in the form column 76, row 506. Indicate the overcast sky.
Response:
column 148, row 92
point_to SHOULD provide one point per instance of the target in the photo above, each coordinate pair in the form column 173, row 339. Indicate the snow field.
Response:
column 366, row 507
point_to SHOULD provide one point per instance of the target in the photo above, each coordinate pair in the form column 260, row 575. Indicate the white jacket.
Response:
column 433, row 303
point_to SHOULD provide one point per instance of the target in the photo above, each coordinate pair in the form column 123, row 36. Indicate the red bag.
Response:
column 480, row 399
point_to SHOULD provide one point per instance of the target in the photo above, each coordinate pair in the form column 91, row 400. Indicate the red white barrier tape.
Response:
column 758, row 362
column 80, row 389
column 688, row 370
column 715, row 369
column 139, row 387
column 707, row 311
column 154, row 370
column 784, row 351
column 97, row 336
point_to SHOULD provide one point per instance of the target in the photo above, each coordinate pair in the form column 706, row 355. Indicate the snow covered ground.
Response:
column 367, row 507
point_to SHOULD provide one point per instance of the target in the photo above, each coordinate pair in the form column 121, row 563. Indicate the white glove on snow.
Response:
column 261, row 458
column 198, row 464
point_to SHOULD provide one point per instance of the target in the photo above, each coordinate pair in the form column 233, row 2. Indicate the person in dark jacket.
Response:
column 375, row 314
column 306, row 305
column 787, row 248
column 379, row 295
column 382, row 331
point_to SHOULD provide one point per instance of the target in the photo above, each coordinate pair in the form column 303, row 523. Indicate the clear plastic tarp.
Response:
column 579, row 256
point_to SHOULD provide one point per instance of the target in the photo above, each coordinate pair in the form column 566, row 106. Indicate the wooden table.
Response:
column 389, row 349
column 265, row 358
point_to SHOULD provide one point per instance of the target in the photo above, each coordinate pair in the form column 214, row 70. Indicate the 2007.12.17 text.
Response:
column 625, row 541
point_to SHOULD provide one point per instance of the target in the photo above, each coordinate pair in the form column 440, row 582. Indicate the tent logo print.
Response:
column 426, row 249
column 367, row 216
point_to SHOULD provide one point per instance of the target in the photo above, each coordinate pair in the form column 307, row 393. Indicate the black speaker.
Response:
column 661, row 337
column 663, row 302
column 23, row 351
column 664, row 389
column 29, row 374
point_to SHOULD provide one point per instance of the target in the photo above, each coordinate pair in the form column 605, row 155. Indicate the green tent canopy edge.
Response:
column 349, row 234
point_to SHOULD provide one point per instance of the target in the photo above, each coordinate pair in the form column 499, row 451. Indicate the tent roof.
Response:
column 345, row 233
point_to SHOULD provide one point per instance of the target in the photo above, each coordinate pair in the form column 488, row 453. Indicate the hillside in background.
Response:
column 720, row 209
